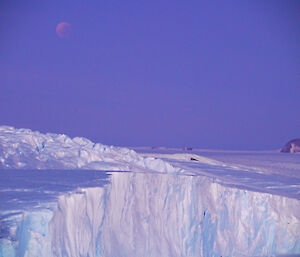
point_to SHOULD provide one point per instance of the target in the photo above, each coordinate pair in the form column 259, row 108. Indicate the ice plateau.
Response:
column 168, row 205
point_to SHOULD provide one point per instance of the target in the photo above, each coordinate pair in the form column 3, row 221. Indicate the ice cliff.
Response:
column 140, row 214
column 167, row 215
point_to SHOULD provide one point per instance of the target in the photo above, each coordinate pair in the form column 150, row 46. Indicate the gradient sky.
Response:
column 207, row 74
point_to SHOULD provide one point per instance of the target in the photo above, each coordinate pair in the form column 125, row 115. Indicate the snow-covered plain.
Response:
column 72, row 197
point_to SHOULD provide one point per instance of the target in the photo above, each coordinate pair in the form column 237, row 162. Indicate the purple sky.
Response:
column 207, row 74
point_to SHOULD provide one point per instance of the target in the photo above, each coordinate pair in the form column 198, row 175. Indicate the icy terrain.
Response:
column 26, row 149
column 197, row 204
column 270, row 172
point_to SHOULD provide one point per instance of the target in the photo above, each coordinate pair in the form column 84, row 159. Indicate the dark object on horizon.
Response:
column 187, row 148
column 292, row 146
column 193, row 159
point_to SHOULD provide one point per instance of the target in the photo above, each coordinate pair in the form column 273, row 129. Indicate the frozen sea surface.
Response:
column 33, row 190
column 71, row 197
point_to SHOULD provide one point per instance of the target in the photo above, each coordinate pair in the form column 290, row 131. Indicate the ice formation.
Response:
column 210, row 208
column 144, row 214
column 26, row 149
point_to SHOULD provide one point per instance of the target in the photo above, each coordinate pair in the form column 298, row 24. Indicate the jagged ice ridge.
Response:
column 26, row 149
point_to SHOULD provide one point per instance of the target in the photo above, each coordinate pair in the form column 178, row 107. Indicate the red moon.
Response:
column 63, row 29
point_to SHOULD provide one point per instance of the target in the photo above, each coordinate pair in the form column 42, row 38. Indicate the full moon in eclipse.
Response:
column 63, row 29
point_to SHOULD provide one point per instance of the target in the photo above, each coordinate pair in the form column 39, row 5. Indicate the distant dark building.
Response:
column 187, row 148
column 292, row 146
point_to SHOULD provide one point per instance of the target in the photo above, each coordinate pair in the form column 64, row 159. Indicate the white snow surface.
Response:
column 228, row 204
column 274, row 172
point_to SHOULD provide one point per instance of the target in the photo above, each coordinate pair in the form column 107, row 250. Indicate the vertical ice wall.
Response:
column 76, row 225
column 159, row 215
column 171, row 215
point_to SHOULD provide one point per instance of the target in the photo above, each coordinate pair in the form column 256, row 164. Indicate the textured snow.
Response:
column 170, row 204
column 26, row 149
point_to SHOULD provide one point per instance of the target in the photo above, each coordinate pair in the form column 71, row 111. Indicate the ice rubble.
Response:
column 142, row 214
column 26, row 149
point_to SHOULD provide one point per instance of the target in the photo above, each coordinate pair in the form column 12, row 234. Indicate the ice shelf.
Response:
column 163, row 205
